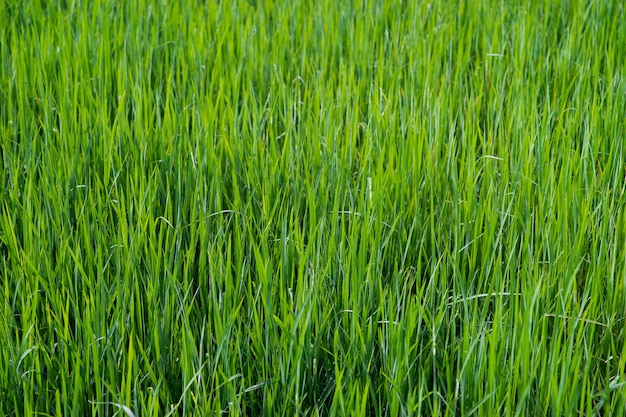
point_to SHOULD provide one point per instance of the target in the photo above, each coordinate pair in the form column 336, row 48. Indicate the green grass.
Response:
column 334, row 208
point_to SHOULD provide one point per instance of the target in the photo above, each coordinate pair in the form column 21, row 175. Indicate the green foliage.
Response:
column 312, row 208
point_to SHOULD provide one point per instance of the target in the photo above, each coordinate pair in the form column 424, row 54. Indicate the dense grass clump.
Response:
column 294, row 207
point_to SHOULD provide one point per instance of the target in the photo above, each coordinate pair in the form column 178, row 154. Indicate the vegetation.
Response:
column 294, row 207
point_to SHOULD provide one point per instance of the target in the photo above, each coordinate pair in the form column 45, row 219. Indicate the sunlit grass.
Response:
column 312, row 208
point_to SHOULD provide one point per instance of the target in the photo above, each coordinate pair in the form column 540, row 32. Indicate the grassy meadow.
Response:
column 326, row 208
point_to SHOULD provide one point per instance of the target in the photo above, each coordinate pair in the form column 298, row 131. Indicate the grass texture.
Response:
column 297, row 207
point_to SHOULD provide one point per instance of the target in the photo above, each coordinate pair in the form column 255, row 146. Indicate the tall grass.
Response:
column 312, row 208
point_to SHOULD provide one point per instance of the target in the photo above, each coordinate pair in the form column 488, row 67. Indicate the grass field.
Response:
column 294, row 207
